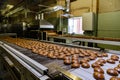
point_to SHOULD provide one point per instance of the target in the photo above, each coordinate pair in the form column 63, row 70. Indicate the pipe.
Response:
column 15, row 6
column 40, row 5
column 42, row 16
column 67, row 5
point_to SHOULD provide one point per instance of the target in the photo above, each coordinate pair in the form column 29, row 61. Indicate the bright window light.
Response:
column 75, row 25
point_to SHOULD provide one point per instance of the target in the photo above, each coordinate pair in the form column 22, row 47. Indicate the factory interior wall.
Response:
column 108, row 21
column 109, row 25
column 78, row 8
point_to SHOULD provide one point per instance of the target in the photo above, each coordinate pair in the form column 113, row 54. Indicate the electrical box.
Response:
column 88, row 21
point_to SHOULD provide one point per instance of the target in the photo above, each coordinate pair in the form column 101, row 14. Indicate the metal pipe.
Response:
column 15, row 6
column 42, row 16
column 67, row 5
column 43, row 5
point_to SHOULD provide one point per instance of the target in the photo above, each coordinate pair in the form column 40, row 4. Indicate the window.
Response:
column 75, row 25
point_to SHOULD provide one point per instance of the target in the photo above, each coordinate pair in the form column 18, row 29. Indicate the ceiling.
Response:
column 22, row 6
column 32, row 5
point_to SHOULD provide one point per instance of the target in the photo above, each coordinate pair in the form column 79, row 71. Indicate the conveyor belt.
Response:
column 51, row 64
column 34, row 67
column 117, row 43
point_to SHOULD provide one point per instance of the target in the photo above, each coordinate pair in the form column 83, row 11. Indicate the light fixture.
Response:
column 9, row 6
column 67, row 15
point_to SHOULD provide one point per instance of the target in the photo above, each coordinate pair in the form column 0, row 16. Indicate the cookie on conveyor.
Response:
column 104, row 54
column 118, row 65
column 85, row 65
column 67, row 62
column 98, row 69
column 83, row 61
column 95, row 65
column 114, row 57
column 110, row 61
column 117, row 69
column 98, row 76
column 101, row 60
column 114, row 78
column 75, row 65
column 112, row 72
